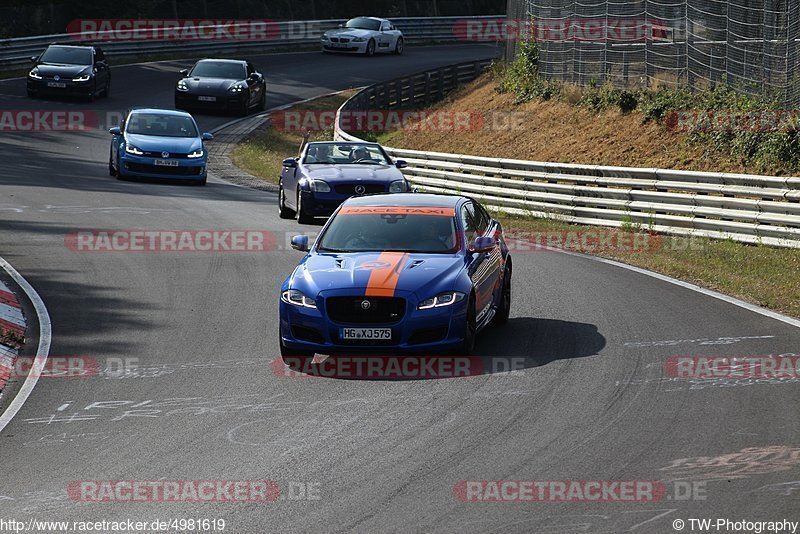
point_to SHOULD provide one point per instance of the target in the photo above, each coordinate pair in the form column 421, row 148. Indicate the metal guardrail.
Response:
column 742, row 207
column 16, row 53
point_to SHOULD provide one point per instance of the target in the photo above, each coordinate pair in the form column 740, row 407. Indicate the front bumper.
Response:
column 351, row 47
column 41, row 87
column 226, row 102
column 145, row 167
column 420, row 331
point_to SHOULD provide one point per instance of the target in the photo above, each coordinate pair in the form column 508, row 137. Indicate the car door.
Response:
column 116, row 140
column 254, row 80
column 102, row 72
column 394, row 36
column 385, row 36
column 289, row 178
column 481, row 266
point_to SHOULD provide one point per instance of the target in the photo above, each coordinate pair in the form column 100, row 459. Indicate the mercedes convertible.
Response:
column 327, row 173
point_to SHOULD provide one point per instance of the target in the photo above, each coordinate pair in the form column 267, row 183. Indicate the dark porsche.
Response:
column 221, row 85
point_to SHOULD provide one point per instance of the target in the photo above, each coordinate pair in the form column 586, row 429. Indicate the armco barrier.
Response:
column 742, row 207
column 16, row 53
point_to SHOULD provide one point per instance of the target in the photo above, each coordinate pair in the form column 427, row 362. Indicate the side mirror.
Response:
column 401, row 164
column 300, row 242
column 207, row 136
column 34, row 58
column 482, row 244
column 184, row 72
column 290, row 163
column 115, row 130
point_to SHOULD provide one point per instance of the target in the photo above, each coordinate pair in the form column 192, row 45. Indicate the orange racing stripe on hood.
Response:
column 383, row 281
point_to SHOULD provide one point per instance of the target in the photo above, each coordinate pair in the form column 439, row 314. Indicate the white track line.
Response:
column 45, row 336
column 711, row 293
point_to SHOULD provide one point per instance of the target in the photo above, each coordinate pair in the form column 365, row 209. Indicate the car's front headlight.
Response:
column 84, row 78
column 130, row 149
column 325, row 37
column 443, row 299
column 359, row 39
column 196, row 154
column 398, row 186
column 182, row 86
column 35, row 75
column 319, row 186
column 237, row 87
column 293, row 296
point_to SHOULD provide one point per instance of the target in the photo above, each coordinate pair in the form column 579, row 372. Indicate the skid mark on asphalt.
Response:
column 727, row 340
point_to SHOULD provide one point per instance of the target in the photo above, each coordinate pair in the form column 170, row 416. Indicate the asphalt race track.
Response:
column 204, row 402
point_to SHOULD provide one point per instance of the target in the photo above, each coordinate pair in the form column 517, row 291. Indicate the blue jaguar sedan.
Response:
column 160, row 144
column 400, row 273
column 326, row 173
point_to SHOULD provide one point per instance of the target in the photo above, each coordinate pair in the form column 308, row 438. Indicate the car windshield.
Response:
column 344, row 154
column 219, row 69
column 65, row 55
column 162, row 124
column 363, row 23
column 390, row 228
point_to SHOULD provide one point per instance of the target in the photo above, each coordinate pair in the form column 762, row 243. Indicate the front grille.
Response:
column 350, row 310
column 334, row 39
column 304, row 333
column 427, row 335
column 350, row 189
column 167, row 171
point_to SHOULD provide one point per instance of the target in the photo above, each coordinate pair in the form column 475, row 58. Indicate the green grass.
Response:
column 763, row 275
column 262, row 152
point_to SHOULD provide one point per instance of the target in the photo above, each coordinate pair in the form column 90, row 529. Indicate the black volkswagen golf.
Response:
column 223, row 85
column 66, row 70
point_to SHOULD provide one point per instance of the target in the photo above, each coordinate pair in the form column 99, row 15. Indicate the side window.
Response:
column 385, row 27
column 250, row 69
column 99, row 55
column 468, row 221
column 482, row 219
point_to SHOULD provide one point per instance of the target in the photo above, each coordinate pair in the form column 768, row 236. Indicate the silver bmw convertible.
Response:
column 364, row 35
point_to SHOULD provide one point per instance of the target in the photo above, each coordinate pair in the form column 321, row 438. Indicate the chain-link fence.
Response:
column 750, row 45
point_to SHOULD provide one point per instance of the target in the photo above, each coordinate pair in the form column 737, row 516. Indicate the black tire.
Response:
column 283, row 211
column 32, row 94
column 297, row 360
column 92, row 94
column 470, row 333
column 202, row 182
column 398, row 46
column 302, row 216
column 370, row 50
column 107, row 90
column 245, row 109
column 504, row 310
column 111, row 170
column 262, row 104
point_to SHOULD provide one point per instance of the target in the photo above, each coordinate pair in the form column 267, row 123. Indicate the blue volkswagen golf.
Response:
column 399, row 273
column 159, row 143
